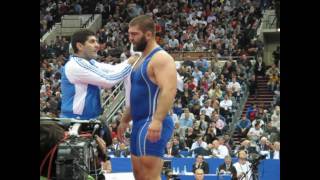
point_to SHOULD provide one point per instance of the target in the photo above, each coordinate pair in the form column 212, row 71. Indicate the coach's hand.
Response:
column 133, row 59
column 121, row 130
column 154, row 131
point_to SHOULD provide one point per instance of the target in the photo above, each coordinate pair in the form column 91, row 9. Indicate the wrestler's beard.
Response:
column 141, row 45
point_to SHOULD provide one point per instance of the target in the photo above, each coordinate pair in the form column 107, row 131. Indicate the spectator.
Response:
column 208, row 110
column 218, row 150
column 171, row 151
column 235, row 87
column 197, row 74
column 252, row 84
column 199, row 143
column 260, row 67
column 199, row 174
column 200, row 164
column 203, row 125
column 275, row 118
column 190, row 137
column 273, row 70
column 188, row 46
column 255, row 133
column 271, row 132
column 243, row 166
column 244, row 145
column 275, row 153
column 252, row 112
column 273, row 82
column 225, row 105
column 276, row 55
column 220, row 124
column 174, row 116
column 212, row 132
column 260, row 121
column 228, row 168
column 122, row 151
column 243, row 126
column 173, row 44
column 178, row 144
column 186, row 119
column 262, row 145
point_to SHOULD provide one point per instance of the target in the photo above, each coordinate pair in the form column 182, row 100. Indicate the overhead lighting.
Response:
column 278, row 29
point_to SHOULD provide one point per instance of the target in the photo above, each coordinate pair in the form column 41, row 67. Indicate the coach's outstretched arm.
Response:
column 86, row 73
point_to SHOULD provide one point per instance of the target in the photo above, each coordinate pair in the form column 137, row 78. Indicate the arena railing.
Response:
column 114, row 102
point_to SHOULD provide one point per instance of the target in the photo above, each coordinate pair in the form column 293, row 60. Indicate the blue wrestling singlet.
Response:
column 143, row 100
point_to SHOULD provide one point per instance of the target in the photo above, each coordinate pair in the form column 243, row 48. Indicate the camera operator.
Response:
column 243, row 166
column 51, row 134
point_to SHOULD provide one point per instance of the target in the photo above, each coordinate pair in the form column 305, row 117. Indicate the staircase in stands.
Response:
column 264, row 95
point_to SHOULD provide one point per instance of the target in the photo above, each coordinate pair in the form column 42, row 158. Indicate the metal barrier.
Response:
column 114, row 102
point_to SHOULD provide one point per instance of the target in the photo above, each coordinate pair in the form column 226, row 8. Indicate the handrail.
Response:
column 114, row 102
column 120, row 86
column 87, row 22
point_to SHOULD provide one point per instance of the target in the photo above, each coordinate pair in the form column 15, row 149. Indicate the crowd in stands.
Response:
column 204, row 110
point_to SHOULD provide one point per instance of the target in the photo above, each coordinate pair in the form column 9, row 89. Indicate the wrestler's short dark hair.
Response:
column 145, row 23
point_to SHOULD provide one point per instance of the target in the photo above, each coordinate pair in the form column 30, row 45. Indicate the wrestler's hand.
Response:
column 121, row 130
column 154, row 131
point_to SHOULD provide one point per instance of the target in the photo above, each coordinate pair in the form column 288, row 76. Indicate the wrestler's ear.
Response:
column 149, row 35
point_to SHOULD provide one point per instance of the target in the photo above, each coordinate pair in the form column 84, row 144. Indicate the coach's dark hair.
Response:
column 145, row 23
column 80, row 37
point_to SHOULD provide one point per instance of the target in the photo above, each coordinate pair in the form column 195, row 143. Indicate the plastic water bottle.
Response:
column 178, row 170
column 184, row 169
column 217, row 171
column 174, row 170
column 193, row 154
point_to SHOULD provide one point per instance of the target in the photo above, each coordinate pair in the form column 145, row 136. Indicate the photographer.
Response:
column 51, row 135
column 243, row 167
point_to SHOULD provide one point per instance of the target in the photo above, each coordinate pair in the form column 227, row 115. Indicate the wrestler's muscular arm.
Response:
column 162, row 71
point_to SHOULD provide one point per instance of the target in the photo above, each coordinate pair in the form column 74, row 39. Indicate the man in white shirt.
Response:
column 225, row 106
column 255, row 133
column 173, row 43
column 199, row 143
column 226, row 103
column 243, row 167
column 218, row 150
column 208, row 110
column 188, row 46
column 235, row 87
